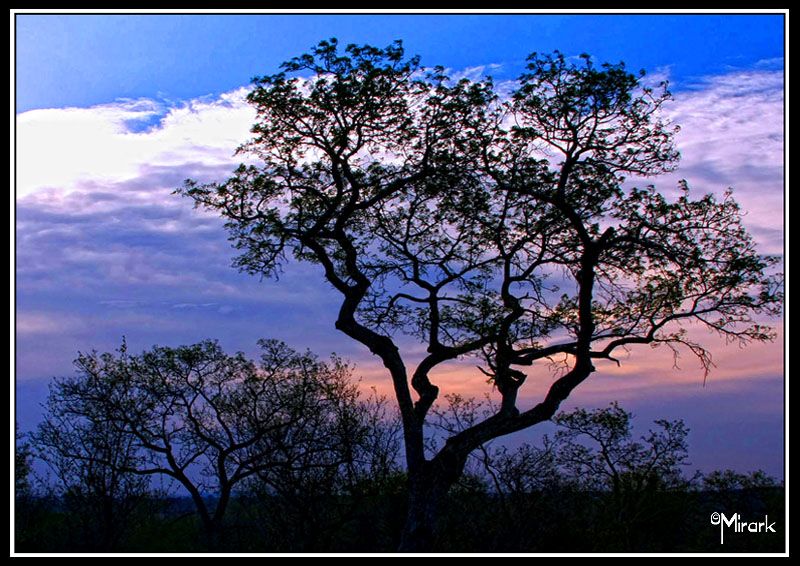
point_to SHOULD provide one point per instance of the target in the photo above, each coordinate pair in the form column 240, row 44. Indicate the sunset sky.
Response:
column 113, row 112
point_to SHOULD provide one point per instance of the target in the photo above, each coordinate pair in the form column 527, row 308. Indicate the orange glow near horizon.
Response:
column 643, row 371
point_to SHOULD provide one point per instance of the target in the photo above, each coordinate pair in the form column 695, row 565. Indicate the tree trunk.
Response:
column 213, row 533
column 428, row 489
column 424, row 499
column 213, row 526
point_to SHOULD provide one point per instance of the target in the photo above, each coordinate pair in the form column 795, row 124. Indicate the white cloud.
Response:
column 475, row 73
column 58, row 148
column 732, row 135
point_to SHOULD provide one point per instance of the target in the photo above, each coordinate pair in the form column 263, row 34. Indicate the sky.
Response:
column 113, row 112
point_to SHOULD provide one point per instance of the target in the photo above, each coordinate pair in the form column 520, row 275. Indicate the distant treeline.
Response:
column 286, row 455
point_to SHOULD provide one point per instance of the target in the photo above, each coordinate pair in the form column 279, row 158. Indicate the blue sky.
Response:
column 81, row 60
column 113, row 112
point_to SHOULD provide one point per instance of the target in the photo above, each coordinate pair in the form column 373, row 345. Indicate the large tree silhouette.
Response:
column 486, row 226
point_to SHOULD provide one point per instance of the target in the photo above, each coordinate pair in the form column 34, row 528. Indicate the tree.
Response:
column 203, row 418
column 597, row 451
column 90, row 459
column 309, row 506
column 596, row 447
column 486, row 227
column 728, row 490
column 730, row 480
column 23, row 468
column 22, row 464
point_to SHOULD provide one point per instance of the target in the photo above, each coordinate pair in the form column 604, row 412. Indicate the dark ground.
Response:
column 473, row 521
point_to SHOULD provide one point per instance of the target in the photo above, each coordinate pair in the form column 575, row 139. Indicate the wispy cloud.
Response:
column 60, row 148
column 38, row 324
column 99, row 231
column 732, row 136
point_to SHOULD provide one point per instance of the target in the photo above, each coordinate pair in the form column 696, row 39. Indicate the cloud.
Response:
column 732, row 135
column 60, row 148
column 37, row 324
column 476, row 73
column 111, row 251
column 100, row 235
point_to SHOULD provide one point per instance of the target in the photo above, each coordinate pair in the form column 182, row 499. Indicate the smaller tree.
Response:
column 327, row 493
column 523, row 483
column 22, row 464
column 750, row 493
column 592, row 457
column 730, row 480
column 596, row 449
column 510, row 473
column 89, row 459
column 208, row 420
